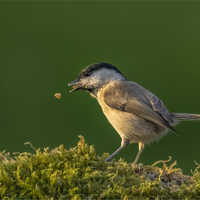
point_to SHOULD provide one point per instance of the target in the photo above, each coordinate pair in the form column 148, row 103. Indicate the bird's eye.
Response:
column 87, row 74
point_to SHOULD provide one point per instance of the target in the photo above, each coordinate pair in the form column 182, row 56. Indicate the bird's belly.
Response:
column 134, row 128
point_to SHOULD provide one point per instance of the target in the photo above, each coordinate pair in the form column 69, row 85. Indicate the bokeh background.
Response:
column 44, row 45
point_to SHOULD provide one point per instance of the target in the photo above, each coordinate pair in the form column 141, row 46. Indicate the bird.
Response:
column 136, row 114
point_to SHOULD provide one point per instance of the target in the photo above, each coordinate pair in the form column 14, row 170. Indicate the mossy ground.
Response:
column 78, row 173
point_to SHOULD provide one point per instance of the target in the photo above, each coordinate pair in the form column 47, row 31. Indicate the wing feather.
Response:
column 159, row 106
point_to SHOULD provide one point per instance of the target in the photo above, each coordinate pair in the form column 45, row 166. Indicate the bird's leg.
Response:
column 125, row 142
column 141, row 147
column 111, row 157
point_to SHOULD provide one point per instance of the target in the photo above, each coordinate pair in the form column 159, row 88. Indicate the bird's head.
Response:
column 95, row 76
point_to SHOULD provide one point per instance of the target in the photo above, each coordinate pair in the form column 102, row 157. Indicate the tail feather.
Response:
column 185, row 117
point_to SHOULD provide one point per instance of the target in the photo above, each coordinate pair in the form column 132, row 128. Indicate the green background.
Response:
column 44, row 45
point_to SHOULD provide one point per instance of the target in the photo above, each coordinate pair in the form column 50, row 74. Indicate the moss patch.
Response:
column 78, row 173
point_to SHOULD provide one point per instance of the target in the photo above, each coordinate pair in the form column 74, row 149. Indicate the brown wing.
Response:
column 126, row 96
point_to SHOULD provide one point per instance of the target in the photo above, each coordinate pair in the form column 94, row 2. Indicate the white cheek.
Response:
column 84, row 81
column 88, row 82
column 94, row 81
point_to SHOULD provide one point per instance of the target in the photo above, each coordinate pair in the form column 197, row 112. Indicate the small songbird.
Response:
column 137, row 115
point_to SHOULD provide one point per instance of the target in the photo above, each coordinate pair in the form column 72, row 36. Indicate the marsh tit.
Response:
column 137, row 115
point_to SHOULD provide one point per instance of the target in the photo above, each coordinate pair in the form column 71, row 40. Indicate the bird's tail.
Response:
column 185, row 117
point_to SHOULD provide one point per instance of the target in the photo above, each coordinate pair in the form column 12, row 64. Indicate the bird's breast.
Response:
column 132, row 127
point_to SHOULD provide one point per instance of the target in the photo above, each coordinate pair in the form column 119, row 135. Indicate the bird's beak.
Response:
column 76, row 85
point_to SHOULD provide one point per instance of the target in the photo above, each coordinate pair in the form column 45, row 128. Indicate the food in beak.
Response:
column 76, row 87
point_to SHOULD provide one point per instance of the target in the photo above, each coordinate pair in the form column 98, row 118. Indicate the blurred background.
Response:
column 44, row 45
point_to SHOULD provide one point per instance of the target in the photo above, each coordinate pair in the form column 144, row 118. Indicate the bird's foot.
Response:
column 136, row 167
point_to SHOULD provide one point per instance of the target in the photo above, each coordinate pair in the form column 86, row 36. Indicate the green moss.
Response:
column 78, row 173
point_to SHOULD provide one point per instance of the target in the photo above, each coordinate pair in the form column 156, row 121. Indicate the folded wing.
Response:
column 130, row 97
